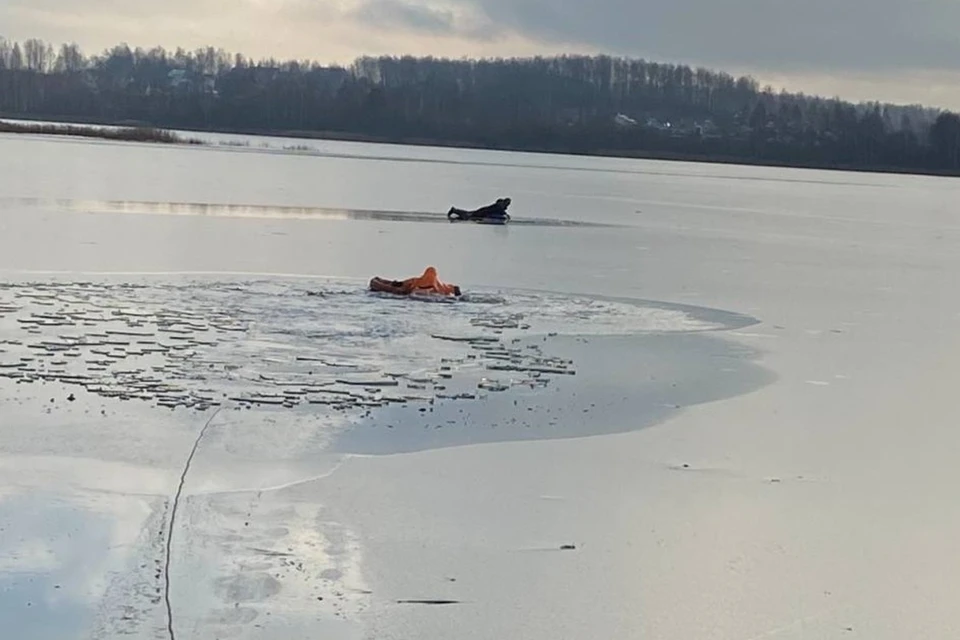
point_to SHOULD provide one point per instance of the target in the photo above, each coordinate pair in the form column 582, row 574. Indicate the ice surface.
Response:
column 781, row 469
column 198, row 343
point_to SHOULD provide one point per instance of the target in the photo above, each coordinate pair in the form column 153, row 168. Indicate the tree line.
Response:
column 572, row 103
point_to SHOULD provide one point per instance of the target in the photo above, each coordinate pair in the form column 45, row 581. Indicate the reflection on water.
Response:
column 261, row 211
column 50, row 550
column 85, row 564
column 633, row 382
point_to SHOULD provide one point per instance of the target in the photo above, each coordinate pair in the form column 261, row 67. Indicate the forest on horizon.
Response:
column 567, row 104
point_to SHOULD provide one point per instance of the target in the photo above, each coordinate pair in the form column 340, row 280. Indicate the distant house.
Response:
column 183, row 80
column 177, row 78
column 707, row 129
column 653, row 123
column 569, row 116
column 209, row 83
column 265, row 75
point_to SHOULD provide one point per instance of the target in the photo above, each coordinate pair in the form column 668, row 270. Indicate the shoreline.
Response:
column 119, row 133
column 416, row 141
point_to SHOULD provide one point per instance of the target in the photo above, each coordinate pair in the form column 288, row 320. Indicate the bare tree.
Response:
column 584, row 104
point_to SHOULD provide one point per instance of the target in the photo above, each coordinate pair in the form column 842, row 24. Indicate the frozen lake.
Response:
column 679, row 400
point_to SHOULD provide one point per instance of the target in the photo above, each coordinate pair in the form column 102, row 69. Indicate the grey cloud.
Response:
column 104, row 10
column 780, row 37
column 398, row 14
column 785, row 35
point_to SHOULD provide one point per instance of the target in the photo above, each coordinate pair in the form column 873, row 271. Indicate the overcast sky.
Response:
column 892, row 50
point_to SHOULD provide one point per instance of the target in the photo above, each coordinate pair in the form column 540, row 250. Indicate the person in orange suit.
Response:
column 426, row 283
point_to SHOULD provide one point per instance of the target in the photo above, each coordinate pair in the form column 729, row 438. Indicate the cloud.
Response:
column 779, row 35
column 324, row 30
column 772, row 35
column 401, row 19
column 818, row 46
column 397, row 14
column 930, row 88
column 28, row 556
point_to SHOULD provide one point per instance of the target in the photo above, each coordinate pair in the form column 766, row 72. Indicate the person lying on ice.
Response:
column 426, row 283
column 495, row 211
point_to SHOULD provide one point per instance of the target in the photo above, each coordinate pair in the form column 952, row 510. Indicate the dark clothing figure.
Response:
column 495, row 211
